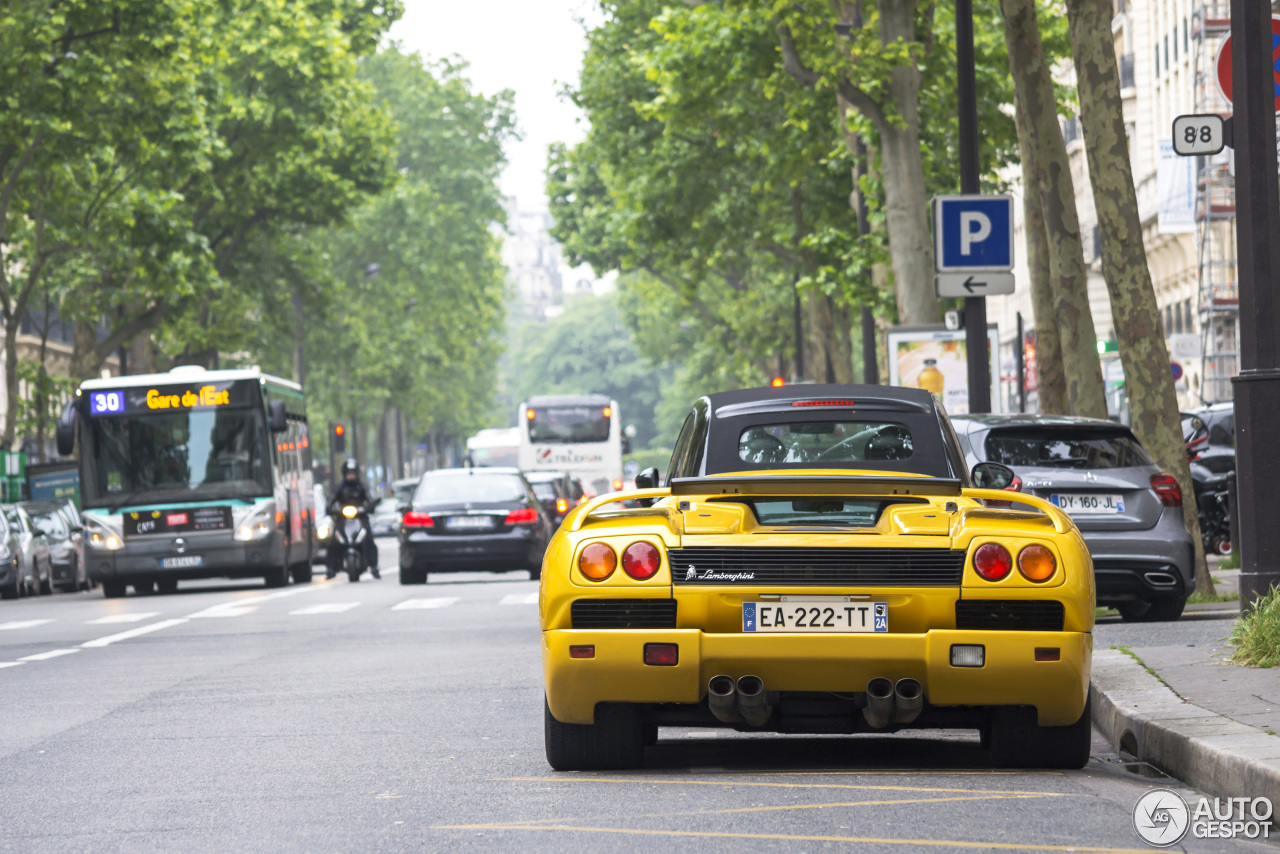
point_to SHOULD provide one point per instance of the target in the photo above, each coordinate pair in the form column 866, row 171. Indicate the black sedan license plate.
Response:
column 815, row 614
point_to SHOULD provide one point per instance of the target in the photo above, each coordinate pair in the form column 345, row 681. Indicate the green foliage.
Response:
column 1256, row 635
column 46, row 393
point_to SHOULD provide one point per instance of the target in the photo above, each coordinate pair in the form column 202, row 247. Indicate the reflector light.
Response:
column 587, row 651
column 992, row 561
column 597, row 562
column 641, row 561
column 1037, row 563
column 968, row 655
column 1048, row 653
column 415, row 519
column 822, row 403
column 662, row 654
column 523, row 516
column 1167, row 489
column 778, row 382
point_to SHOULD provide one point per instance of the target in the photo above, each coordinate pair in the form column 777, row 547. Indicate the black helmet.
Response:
column 350, row 466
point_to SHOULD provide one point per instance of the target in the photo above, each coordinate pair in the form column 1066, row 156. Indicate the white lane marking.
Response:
column 123, row 618
column 520, row 599
column 331, row 608
column 421, row 604
column 4, row 664
column 45, row 656
column 132, row 633
column 23, row 624
column 240, row 607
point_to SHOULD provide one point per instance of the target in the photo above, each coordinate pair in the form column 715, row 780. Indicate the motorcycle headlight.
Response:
column 350, row 512
column 102, row 534
column 258, row 525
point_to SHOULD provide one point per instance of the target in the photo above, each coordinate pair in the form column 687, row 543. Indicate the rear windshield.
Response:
column 821, row 510
column 1067, row 447
column 51, row 525
column 825, row 442
column 463, row 487
column 552, row 424
column 544, row 490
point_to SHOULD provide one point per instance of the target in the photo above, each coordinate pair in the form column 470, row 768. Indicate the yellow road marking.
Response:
column 868, row 840
column 654, row 781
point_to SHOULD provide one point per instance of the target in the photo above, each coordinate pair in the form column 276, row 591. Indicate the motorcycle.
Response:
column 1213, row 502
column 346, row 551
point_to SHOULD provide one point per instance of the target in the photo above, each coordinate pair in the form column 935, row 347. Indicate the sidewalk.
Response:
column 1191, row 713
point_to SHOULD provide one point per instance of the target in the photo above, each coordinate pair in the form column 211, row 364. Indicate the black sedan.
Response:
column 472, row 519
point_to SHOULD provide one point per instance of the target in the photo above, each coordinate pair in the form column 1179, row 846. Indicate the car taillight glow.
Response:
column 617, row 484
column 641, row 561
column 992, row 561
column 414, row 519
column 562, row 505
column 597, row 562
column 1037, row 563
column 1167, row 489
column 523, row 516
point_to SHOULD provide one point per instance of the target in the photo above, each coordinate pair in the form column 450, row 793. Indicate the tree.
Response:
column 1143, row 352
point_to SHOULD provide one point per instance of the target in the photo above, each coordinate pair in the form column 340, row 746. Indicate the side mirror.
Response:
column 648, row 479
column 276, row 415
column 992, row 476
column 66, row 429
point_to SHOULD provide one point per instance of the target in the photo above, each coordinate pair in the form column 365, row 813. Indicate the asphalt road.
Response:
column 340, row 717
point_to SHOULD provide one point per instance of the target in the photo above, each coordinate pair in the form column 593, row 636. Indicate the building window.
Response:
column 1186, row 40
column 1157, row 59
column 1186, row 306
column 1177, row 318
column 1166, row 53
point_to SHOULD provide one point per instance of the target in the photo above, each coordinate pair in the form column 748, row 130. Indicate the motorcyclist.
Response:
column 351, row 491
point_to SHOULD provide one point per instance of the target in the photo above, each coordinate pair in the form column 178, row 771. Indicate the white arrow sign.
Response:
column 973, row 284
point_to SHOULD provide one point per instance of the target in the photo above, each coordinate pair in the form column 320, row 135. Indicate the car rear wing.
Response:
column 588, row 509
column 815, row 485
column 1061, row 521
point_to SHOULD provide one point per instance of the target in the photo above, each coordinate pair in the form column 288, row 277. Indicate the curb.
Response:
column 1139, row 715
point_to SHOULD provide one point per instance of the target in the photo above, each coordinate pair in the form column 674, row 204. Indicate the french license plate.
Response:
column 1090, row 504
column 472, row 523
column 181, row 562
column 815, row 614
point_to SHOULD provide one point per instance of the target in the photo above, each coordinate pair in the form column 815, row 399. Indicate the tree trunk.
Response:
column 1143, row 352
column 142, row 355
column 817, row 352
column 1033, row 87
column 11, row 326
column 84, row 357
column 40, row 397
column 1051, row 382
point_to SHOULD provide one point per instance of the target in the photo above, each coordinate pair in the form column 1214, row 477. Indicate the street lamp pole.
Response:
column 975, row 308
column 1256, row 389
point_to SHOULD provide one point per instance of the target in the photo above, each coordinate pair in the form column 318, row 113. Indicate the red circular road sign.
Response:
column 1223, row 63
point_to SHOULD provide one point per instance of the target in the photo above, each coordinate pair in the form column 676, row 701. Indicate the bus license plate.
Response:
column 815, row 616
column 182, row 562
column 1082, row 504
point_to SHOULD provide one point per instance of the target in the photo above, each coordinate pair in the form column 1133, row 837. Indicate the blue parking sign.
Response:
column 973, row 233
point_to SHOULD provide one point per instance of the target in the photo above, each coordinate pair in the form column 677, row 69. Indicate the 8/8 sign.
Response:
column 1199, row 134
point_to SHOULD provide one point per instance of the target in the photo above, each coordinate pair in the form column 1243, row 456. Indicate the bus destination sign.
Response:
column 180, row 521
column 168, row 398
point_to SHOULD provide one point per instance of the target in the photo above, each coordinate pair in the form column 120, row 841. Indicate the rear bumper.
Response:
column 1156, row 563
column 516, row 549
column 841, row 663
column 64, row 569
column 220, row 557
column 8, row 572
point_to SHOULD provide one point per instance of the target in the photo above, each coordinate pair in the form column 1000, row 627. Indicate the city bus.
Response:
column 576, row 433
column 495, row 446
column 192, row 474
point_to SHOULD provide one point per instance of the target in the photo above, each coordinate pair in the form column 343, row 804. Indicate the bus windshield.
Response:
column 551, row 424
column 177, row 456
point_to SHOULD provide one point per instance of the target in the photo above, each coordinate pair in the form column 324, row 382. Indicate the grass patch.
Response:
column 1231, row 561
column 1197, row 598
column 1256, row 635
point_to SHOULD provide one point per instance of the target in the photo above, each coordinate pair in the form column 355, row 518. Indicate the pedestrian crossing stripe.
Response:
column 520, row 599
column 327, row 608
column 422, row 604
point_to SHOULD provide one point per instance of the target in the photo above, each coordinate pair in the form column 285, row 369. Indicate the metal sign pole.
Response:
column 1257, row 387
column 975, row 308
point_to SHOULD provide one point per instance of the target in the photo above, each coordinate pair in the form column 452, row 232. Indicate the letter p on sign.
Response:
column 973, row 233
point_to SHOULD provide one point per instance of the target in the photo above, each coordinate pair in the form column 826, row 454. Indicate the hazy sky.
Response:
column 532, row 47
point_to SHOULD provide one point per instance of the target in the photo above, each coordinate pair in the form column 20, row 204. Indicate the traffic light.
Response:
column 778, row 382
column 339, row 438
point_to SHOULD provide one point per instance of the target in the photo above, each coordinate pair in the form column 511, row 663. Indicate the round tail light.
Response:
column 597, row 562
column 641, row 561
column 992, row 561
column 1036, row 563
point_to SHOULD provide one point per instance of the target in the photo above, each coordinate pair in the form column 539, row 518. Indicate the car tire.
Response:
column 302, row 573
column 277, row 576
column 46, row 585
column 11, row 591
column 113, row 589
column 144, row 588
column 535, row 574
column 1018, row 742
column 1152, row 611
column 413, row 576
column 614, row 742
column 167, row 585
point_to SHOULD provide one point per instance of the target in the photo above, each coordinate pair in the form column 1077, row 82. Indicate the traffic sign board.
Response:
column 973, row 233
column 973, row 284
column 1223, row 63
column 1201, row 134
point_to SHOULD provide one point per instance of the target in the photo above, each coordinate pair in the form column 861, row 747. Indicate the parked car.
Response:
column 403, row 489
column 33, row 548
column 69, row 571
column 385, row 518
column 15, row 573
column 324, row 524
column 552, row 490
column 472, row 519
column 1127, row 508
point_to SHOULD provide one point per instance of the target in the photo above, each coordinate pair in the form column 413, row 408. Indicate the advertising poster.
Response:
column 1176, row 188
column 934, row 358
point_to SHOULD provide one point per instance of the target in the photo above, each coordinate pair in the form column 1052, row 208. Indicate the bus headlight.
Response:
column 324, row 528
column 258, row 525
column 101, row 534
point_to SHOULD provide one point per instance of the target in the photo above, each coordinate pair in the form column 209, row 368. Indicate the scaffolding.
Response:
column 1218, row 291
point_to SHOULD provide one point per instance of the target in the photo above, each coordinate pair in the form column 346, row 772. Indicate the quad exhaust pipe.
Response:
column 889, row 703
column 742, row 702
